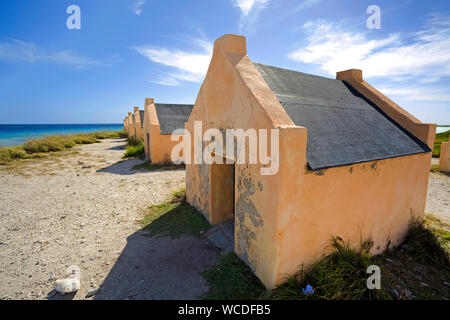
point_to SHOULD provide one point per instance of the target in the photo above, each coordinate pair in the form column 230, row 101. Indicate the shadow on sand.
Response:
column 123, row 167
column 119, row 147
column 159, row 268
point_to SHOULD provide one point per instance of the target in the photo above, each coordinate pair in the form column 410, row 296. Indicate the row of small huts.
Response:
column 352, row 163
column 154, row 126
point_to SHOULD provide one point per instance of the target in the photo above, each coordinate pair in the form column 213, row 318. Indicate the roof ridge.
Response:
column 309, row 74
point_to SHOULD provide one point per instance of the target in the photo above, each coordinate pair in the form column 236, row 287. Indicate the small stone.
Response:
column 92, row 292
column 67, row 285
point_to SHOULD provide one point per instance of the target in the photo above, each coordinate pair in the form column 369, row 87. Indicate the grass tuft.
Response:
column 426, row 246
column 132, row 141
column 339, row 275
column 174, row 218
column 232, row 279
column 135, row 151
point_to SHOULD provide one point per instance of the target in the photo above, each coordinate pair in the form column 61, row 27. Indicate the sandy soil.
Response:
column 82, row 208
column 438, row 197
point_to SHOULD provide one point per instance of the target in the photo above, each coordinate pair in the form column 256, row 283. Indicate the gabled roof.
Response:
column 172, row 116
column 141, row 115
column 343, row 126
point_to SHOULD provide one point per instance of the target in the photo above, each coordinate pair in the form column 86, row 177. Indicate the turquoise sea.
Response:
column 14, row 134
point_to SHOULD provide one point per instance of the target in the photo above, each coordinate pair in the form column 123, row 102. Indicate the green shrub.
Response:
column 132, row 141
column 84, row 139
column 109, row 134
column 426, row 247
column 47, row 144
column 12, row 153
column 135, row 151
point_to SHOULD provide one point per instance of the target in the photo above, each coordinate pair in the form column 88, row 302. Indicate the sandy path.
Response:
column 59, row 214
column 438, row 196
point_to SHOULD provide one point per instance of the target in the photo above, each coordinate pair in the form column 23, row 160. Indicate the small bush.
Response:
column 109, row 134
column 135, row 151
column 44, row 145
column 12, row 153
column 85, row 139
column 427, row 247
column 132, row 141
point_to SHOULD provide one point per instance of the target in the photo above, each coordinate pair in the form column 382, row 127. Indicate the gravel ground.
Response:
column 81, row 208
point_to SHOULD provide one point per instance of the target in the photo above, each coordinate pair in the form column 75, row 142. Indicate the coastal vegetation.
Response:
column 440, row 137
column 38, row 148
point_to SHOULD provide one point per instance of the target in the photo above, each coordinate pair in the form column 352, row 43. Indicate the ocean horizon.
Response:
column 16, row 134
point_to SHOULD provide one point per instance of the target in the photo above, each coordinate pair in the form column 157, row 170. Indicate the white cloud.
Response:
column 335, row 49
column 187, row 65
column 18, row 50
column 250, row 10
column 417, row 93
column 137, row 6
column 247, row 5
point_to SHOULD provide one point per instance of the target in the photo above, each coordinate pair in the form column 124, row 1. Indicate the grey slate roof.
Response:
column 172, row 116
column 343, row 126
column 141, row 115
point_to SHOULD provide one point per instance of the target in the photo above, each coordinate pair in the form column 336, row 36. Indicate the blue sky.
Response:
column 127, row 50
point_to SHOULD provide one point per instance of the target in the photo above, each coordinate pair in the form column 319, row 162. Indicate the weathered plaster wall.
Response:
column 371, row 200
column 139, row 133
column 147, row 125
column 444, row 159
column 158, row 147
column 130, row 125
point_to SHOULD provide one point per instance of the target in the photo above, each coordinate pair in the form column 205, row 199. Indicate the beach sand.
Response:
column 82, row 208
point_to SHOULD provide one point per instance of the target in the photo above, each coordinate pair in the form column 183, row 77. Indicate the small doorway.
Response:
column 222, row 188
column 223, row 205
